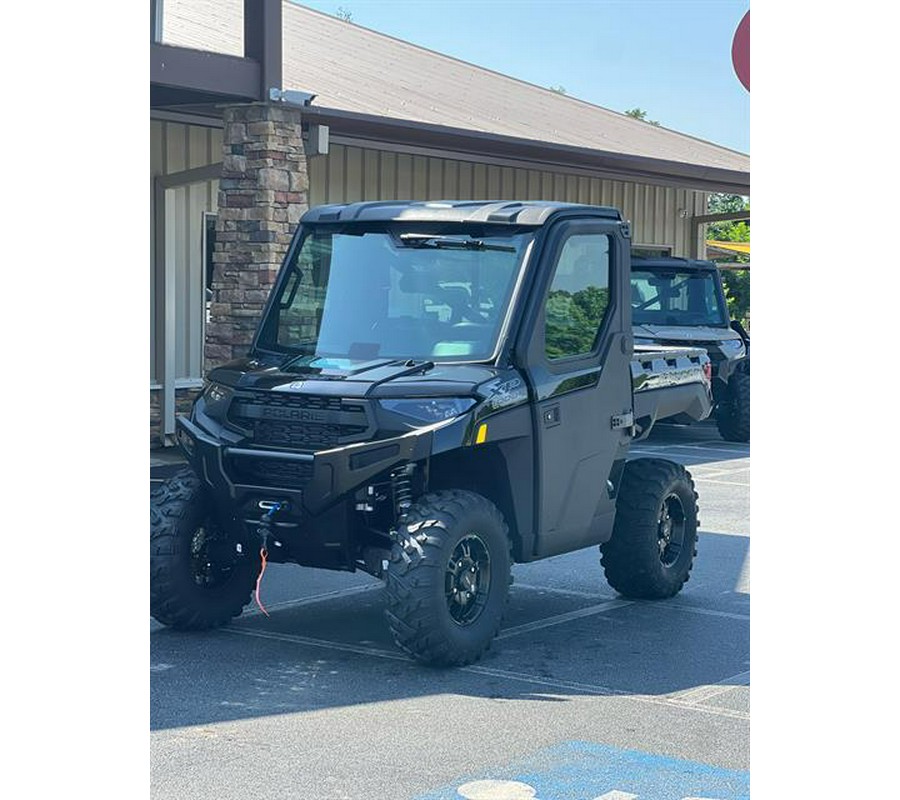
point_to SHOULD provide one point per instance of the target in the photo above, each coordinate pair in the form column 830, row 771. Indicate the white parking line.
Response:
column 316, row 598
column 253, row 611
column 560, row 619
column 700, row 694
column 605, row 691
column 343, row 647
column 718, row 473
column 569, row 592
column 664, row 448
column 723, row 483
column 710, row 612
column 720, row 444
column 548, row 622
column 522, row 677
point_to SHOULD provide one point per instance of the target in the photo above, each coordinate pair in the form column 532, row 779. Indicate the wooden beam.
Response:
column 209, row 172
column 198, row 71
column 262, row 41
column 697, row 221
column 723, row 217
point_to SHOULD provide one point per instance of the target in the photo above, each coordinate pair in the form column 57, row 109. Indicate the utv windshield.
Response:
column 407, row 294
column 669, row 297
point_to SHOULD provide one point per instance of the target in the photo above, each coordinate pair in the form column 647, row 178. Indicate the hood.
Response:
column 683, row 334
column 343, row 377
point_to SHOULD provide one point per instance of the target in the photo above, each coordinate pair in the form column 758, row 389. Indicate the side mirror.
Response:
column 736, row 326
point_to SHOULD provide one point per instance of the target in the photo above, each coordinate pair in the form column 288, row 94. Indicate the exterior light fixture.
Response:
column 293, row 97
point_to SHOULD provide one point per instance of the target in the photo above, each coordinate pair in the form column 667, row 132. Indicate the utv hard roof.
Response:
column 532, row 212
column 672, row 262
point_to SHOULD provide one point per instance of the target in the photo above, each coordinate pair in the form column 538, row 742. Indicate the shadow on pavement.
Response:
column 337, row 652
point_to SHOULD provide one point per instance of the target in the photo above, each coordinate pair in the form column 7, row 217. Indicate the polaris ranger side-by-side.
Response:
column 435, row 391
column 681, row 302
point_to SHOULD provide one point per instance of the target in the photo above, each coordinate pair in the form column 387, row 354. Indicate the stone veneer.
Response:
column 184, row 399
column 263, row 192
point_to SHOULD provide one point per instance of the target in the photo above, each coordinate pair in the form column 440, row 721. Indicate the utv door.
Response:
column 579, row 356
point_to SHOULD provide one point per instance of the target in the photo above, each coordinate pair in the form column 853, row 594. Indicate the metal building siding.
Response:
column 350, row 173
column 175, row 147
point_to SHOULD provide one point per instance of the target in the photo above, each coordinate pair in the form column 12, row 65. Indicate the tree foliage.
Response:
column 573, row 320
column 344, row 14
column 639, row 113
column 558, row 89
column 737, row 294
column 736, row 282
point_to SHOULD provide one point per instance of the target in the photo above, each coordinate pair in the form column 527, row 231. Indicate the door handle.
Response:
column 551, row 415
column 622, row 421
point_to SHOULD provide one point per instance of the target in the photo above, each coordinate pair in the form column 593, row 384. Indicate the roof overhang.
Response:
column 183, row 77
column 412, row 134
column 180, row 76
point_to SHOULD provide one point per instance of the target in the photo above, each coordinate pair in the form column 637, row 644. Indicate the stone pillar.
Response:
column 262, row 194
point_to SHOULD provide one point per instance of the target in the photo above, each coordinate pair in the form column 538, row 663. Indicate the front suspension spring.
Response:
column 401, row 482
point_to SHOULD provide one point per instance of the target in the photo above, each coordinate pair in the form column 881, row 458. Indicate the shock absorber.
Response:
column 401, row 483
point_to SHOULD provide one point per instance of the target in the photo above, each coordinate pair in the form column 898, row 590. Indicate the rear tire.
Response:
column 199, row 576
column 654, row 539
column 448, row 578
column 733, row 413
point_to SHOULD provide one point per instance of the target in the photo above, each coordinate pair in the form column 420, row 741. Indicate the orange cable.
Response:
column 262, row 555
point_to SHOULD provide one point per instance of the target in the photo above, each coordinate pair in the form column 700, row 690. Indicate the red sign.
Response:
column 740, row 51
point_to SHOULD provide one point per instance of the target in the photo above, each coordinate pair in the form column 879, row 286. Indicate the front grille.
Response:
column 299, row 422
column 289, row 400
column 308, row 436
column 271, row 472
column 712, row 350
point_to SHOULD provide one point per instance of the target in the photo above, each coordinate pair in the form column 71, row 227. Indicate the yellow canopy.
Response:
column 734, row 247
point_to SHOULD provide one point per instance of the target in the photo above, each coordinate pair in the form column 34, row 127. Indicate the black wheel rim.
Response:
column 468, row 579
column 213, row 556
column 670, row 530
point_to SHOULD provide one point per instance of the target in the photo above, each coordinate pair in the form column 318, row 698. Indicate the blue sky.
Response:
column 671, row 58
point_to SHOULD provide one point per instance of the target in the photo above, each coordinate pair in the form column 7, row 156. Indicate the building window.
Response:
column 578, row 297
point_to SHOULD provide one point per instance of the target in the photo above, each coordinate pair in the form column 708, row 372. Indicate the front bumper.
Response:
column 332, row 474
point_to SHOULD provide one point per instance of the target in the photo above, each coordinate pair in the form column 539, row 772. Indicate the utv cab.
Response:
column 435, row 391
column 681, row 302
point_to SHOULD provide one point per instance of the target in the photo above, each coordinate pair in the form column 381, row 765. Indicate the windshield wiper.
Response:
column 293, row 358
column 424, row 240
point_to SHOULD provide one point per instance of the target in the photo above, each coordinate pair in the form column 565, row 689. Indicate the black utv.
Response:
column 435, row 391
column 681, row 302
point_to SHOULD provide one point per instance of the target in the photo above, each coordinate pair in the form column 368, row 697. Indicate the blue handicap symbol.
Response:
column 588, row 771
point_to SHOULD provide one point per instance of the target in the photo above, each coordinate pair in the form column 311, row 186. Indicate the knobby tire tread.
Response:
column 630, row 559
column 417, row 561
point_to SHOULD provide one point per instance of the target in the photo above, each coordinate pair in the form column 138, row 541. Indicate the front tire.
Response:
column 733, row 413
column 200, row 577
column 448, row 578
column 654, row 539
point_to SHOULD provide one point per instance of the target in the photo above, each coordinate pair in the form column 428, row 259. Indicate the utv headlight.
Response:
column 216, row 393
column 216, row 398
column 428, row 409
column 732, row 347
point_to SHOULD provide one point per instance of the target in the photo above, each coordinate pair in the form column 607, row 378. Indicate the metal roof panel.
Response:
column 358, row 70
column 485, row 212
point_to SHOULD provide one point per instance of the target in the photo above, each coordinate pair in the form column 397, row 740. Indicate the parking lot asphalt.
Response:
column 584, row 696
